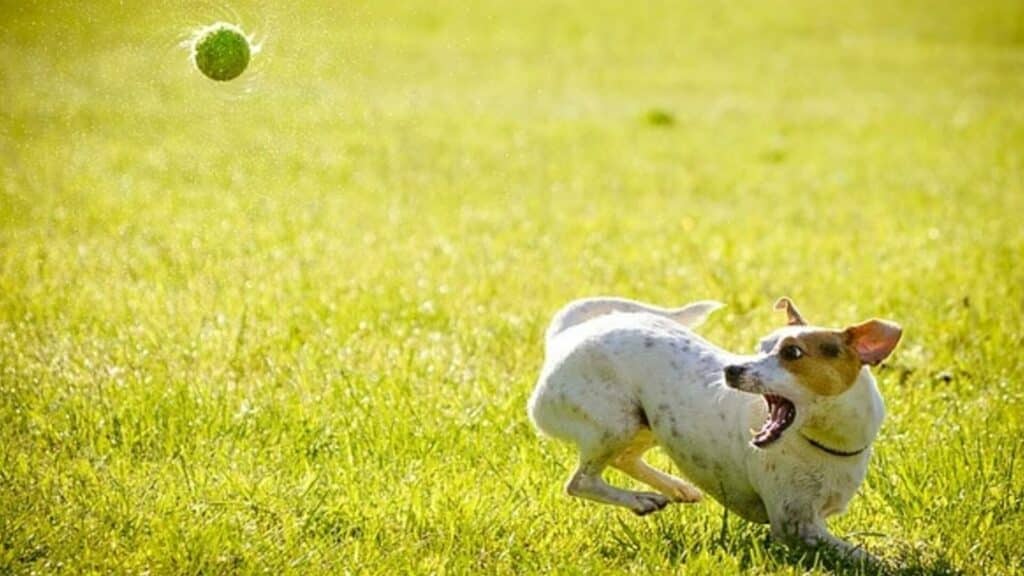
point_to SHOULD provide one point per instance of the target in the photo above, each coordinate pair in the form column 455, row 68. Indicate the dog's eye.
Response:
column 791, row 352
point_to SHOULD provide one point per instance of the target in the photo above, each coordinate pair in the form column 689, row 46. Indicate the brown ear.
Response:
column 874, row 340
column 792, row 314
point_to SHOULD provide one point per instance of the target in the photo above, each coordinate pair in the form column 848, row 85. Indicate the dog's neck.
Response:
column 849, row 422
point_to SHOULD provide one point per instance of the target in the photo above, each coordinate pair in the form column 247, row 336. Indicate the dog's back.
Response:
column 579, row 311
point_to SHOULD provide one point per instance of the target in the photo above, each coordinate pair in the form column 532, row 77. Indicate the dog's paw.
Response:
column 646, row 502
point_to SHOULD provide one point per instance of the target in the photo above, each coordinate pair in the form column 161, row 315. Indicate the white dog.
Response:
column 620, row 377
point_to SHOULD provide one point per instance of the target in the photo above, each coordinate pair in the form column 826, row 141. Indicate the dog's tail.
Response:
column 579, row 311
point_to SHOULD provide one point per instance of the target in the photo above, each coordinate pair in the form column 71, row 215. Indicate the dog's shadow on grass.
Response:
column 753, row 547
column 906, row 564
column 908, row 561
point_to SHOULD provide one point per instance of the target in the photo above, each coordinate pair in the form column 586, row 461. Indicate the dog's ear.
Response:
column 792, row 314
column 873, row 340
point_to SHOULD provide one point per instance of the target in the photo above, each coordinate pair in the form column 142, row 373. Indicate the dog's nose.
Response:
column 733, row 373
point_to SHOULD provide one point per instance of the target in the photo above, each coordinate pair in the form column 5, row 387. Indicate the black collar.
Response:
column 833, row 451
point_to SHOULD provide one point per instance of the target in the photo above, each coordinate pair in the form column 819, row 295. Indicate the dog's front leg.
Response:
column 812, row 532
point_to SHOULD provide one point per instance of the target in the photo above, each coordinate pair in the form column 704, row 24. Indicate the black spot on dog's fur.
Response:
column 680, row 346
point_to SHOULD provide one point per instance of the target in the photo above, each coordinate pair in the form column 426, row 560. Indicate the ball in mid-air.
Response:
column 221, row 51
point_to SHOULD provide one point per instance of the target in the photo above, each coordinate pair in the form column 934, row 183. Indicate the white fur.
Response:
column 620, row 377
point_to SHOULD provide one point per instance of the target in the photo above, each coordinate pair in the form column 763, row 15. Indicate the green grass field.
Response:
column 289, row 324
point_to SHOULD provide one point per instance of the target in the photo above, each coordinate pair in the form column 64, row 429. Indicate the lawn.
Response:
column 289, row 324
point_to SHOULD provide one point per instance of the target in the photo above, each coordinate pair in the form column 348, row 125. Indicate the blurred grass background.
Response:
column 289, row 324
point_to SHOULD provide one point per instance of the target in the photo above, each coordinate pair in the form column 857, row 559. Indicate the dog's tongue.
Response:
column 780, row 416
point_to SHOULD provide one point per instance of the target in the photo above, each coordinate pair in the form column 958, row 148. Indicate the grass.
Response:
column 289, row 324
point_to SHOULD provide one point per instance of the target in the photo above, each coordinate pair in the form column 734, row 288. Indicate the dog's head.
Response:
column 800, row 364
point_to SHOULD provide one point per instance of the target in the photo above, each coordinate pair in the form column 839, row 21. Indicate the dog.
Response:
column 780, row 437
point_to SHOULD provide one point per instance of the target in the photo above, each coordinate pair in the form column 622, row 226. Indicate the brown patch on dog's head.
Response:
column 827, row 362
column 821, row 360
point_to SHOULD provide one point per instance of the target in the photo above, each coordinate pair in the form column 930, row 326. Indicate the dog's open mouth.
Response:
column 780, row 415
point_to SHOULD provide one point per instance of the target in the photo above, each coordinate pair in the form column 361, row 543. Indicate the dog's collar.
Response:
column 831, row 451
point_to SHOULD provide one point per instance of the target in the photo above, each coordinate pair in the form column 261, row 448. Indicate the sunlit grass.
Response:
column 292, row 327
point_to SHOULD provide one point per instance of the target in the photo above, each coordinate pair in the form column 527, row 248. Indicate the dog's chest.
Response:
column 797, row 475
column 840, row 484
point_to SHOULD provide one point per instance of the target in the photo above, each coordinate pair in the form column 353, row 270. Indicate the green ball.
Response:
column 221, row 52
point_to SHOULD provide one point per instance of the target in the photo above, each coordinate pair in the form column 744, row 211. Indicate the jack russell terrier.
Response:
column 620, row 377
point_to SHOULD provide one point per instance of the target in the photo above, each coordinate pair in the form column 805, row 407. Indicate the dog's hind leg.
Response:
column 586, row 482
column 631, row 462
column 583, row 402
